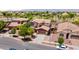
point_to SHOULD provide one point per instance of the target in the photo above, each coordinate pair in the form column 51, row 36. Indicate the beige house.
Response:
column 19, row 19
column 47, row 22
column 68, row 30
column 13, row 24
column 13, row 19
column 40, row 22
column 42, row 30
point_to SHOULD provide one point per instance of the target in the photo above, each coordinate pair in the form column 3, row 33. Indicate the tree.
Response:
column 60, row 41
column 2, row 25
column 13, row 31
column 30, row 17
column 7, row 14
column 76, row 21
column 65, row 16
column 25, row 30
column 71, row 14
column 22, row 31
column 30, row 31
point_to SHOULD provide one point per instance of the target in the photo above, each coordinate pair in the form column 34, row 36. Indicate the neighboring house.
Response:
column 19, row 20
column 42, row 30
column 68, row 30
column 37, row 22
column 40, row 22
column 13, row 24
column 3, row 18
column 47, row 22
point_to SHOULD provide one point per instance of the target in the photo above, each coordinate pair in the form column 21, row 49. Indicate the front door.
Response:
column 67, row 35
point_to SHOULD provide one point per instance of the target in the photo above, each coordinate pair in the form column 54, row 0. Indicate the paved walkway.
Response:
column 70, row 47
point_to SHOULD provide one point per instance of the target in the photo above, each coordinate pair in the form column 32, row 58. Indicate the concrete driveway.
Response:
column 39, row 38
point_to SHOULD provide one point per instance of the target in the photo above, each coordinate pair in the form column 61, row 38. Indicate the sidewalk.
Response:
column 71, row 47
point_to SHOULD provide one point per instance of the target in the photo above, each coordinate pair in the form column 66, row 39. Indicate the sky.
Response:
column 38, row 4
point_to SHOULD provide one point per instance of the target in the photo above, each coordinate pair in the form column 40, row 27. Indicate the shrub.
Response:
column 60, row 40
column 13, row 31
column 2, row 24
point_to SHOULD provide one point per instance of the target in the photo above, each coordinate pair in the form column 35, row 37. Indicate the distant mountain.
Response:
column 52, row 10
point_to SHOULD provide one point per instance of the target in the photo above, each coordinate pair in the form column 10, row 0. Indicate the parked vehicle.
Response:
column 62, row 47
column 12, row 49
column 15, row 35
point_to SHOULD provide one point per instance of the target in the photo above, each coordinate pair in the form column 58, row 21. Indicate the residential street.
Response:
column 33, row 46
column 7, row 43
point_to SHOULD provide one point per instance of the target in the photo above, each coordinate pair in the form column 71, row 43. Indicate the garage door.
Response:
column 75, row 36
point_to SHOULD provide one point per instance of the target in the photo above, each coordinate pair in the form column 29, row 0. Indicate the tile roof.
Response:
column 20, row 19
column 47, row 21
column 42, row 20
column 13, row 24
column 38, row 20
column 67, row 26
column 13, row 19
column 43, row 27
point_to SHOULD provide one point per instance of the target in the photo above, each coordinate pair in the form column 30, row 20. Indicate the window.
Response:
column 61, row 34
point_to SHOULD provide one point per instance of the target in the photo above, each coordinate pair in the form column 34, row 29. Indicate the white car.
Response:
column 61, row 48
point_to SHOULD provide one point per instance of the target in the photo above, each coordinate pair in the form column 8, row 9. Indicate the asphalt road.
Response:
column 33, row 46
column 7, row 43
